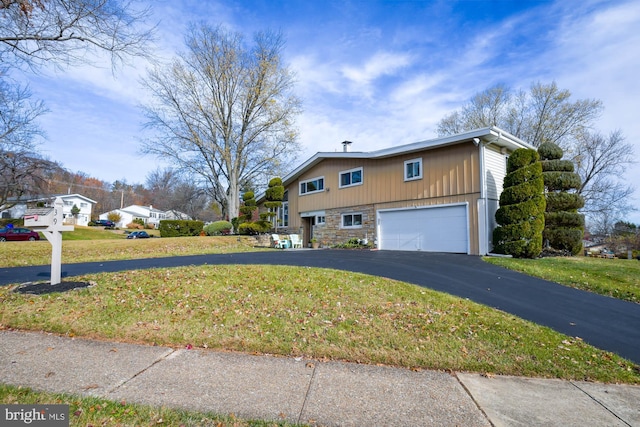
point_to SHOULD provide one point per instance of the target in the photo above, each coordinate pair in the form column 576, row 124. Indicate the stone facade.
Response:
column 332, row 232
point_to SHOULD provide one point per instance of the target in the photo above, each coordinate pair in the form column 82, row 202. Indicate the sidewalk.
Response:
column 306, row 391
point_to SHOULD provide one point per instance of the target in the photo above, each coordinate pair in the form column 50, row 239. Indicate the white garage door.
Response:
column 431, row 229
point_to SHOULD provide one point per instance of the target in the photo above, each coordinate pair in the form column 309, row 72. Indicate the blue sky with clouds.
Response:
column 378, row 73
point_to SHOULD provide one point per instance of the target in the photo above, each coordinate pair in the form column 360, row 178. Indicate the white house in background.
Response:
column 148, row 214
column 83, row 203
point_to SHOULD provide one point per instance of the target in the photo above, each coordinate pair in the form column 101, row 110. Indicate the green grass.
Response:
column 315, row 313
column 92, row 233
column 93, row 411
column 16, row 254
column 618, row 278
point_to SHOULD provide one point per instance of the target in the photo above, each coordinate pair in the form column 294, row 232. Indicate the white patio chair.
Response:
column 296, row 241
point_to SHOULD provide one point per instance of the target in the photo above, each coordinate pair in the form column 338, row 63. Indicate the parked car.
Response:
column 138, row 235
column 17, row 234
column 104, row 222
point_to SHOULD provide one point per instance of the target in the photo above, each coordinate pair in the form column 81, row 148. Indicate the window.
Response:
column 320, row 220
column 351, row 177
column 413, row 169
column 352, row 220
column 312, row 186
column 83, row 205
column 283, row 215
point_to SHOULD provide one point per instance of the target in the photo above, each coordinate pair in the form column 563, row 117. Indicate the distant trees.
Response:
column 170, row 190
column 546, row 114
column 520, row 217
column 223, row 111
column 564, row 226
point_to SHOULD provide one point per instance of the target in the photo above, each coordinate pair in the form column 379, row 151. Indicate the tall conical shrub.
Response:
column 274, row 196
column 564, row 226
column 522, row 203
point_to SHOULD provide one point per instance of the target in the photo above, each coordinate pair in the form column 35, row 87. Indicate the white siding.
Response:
column 496, row 167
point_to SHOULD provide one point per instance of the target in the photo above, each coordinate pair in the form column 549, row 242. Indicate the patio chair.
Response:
column 296, row 241
column 277, row 241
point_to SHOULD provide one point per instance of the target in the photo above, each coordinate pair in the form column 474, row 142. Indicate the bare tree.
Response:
column 546, row 114
column 600, row 161
column 19, row 134
column 35, row 32
column 223, row 111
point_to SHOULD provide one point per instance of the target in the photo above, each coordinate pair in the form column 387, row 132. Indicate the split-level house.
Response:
column 438, row 195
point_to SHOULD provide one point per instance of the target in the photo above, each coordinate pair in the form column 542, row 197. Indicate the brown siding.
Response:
column 450, row 175
column 447, row 171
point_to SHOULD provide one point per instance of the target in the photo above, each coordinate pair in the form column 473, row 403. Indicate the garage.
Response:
column 430, row 228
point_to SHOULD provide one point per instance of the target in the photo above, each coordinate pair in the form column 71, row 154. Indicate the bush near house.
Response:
column 180, row 228
column 522, row 204
column 218, row 228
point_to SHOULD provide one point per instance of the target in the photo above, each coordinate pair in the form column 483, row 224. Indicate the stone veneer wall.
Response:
column 332, row 233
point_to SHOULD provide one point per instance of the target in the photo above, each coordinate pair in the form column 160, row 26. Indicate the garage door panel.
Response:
column 433, row 229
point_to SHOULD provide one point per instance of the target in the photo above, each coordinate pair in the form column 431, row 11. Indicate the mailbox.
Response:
column 40, row 217
column 49, row 222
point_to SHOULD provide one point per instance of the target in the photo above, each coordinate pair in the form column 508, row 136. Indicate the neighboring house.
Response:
column 150, row 216
column 84, row 204
column 439, row 195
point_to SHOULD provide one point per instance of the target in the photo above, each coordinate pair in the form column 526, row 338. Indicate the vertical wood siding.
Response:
column 449, row 175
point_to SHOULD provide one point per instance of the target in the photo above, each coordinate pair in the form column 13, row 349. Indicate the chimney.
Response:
column 346, row 146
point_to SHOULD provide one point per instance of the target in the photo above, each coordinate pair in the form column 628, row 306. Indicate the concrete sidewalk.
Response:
column 305, row 391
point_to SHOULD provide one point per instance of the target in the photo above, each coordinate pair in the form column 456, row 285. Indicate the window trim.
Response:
column 310, row 180
column 412, row 161
column 352, row 214
column 350, row 172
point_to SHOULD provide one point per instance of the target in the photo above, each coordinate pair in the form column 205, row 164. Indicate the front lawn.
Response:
column 618, row 278
column 315, row 313
column 16, row 254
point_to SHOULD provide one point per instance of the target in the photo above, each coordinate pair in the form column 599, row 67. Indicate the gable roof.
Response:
column 488, row 135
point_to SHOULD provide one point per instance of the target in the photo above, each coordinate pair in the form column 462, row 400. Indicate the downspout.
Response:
column 483, row 235
column 483, row 192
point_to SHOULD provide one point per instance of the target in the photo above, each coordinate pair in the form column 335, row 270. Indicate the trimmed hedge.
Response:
column 522, row 203
column 218, row 228
column 180, row 228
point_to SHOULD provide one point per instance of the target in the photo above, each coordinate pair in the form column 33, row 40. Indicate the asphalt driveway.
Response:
column 604, row 322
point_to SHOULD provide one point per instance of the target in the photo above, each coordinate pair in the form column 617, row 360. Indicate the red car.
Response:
column 15, row 234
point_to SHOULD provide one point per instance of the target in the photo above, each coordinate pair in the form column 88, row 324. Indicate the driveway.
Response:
column 603, row 322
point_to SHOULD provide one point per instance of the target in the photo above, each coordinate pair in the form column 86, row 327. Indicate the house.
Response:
column 438, row 195
column 84, row 204
column 148, row 214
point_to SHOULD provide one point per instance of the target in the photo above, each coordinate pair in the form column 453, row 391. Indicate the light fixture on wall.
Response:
column 476, row 141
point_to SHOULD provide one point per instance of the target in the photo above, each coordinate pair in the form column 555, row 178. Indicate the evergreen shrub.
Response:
column 564, row 226
column 218, row 228
column 522, row 203
column 180, row 228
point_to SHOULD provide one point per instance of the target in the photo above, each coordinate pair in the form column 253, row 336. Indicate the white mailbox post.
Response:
column 49, row 222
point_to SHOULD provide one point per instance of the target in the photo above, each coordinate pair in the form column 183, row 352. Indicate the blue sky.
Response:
column 378, row 73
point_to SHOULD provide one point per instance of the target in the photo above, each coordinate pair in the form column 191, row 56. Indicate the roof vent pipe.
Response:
column 346, row 146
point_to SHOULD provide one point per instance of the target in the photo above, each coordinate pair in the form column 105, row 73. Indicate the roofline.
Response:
column 488, row 135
